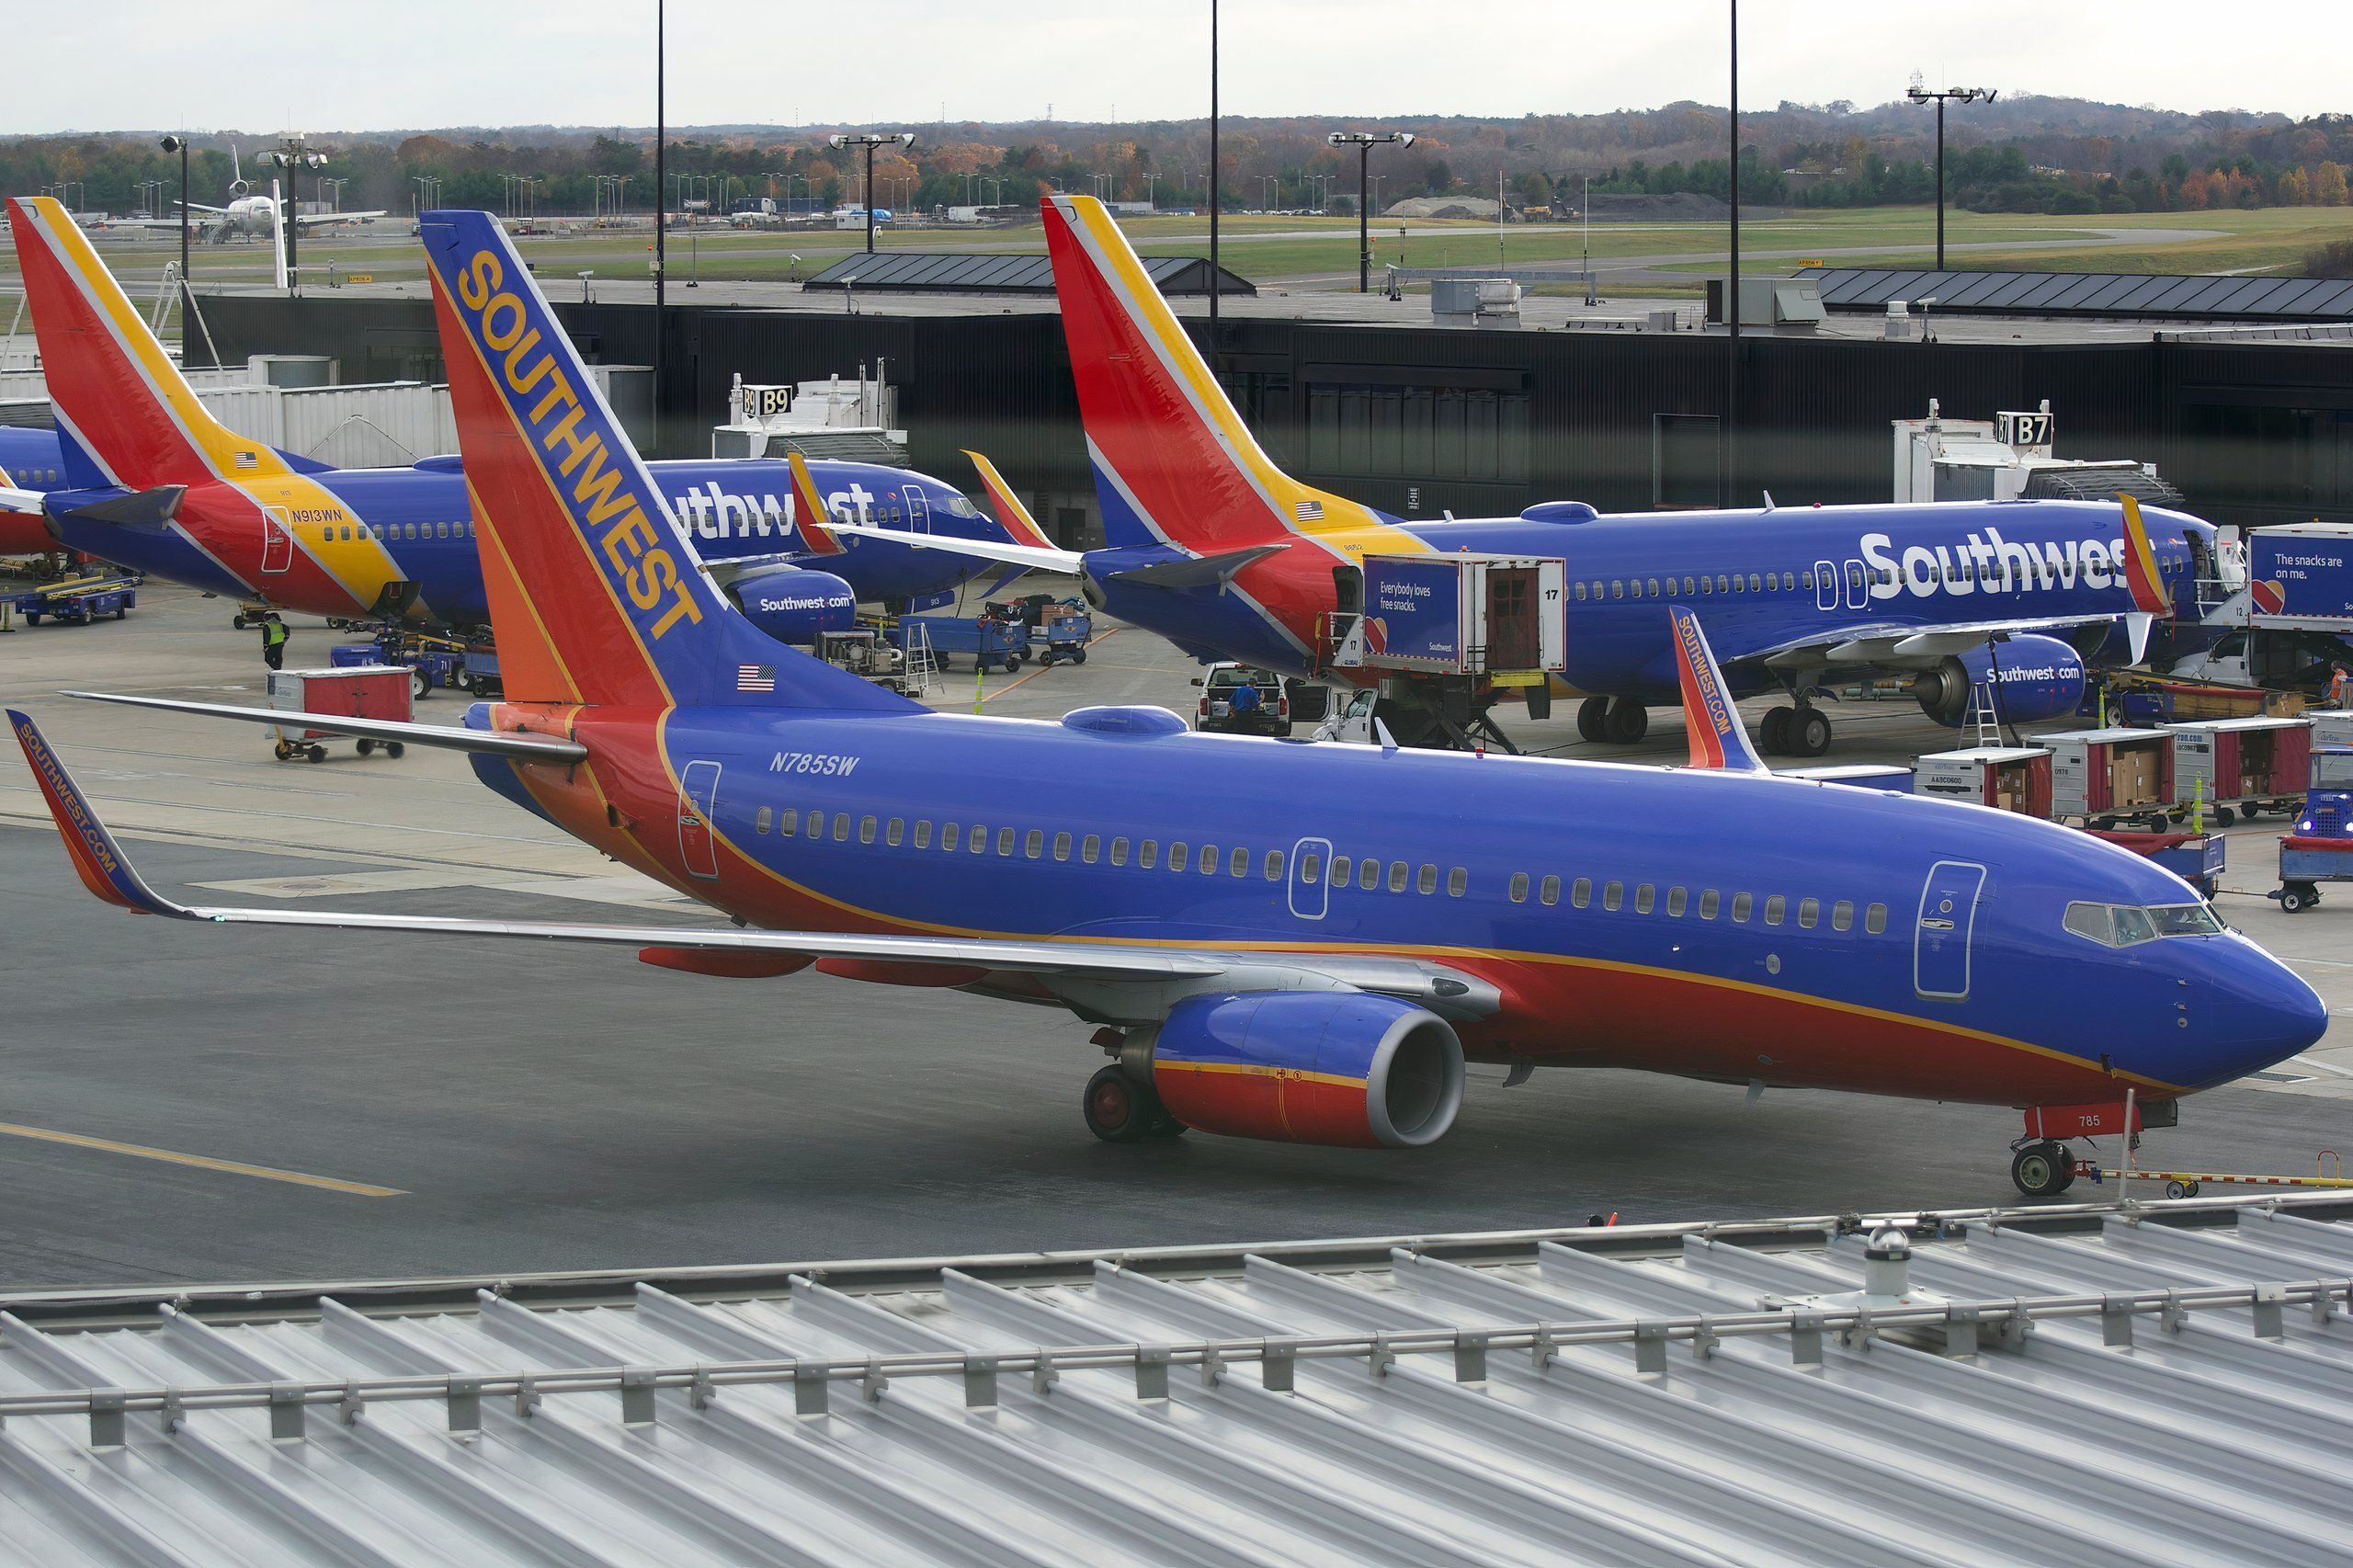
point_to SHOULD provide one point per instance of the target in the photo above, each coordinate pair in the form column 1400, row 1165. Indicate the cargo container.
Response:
column 2008, row 778
column 1458, row 615
column 2105, row 776
column 362, row 691
column 2242, row 765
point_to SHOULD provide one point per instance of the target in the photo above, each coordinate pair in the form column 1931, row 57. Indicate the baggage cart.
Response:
column 358, row 691
column 2105, row 776
column 80, row 600
column 993, row 644
column 2008, row 778
column 2240, row 765
column 1061, row 638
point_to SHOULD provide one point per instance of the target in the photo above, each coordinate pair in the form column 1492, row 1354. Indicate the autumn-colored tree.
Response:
column 2193, row 193
column 2328, row 185
column 2295, row 190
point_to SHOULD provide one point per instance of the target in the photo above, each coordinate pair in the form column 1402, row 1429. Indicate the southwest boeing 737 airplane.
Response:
column 151, row 481
column 1270, row 939
column 1213, row 546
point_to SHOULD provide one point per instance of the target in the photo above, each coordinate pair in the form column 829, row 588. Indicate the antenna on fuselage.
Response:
column 1769, row 502
column 1388, row 742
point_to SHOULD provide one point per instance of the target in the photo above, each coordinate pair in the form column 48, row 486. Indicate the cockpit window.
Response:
column 958, row 507
column 2126, row 924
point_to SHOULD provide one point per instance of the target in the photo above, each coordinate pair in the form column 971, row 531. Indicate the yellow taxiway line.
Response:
column 201, row 1162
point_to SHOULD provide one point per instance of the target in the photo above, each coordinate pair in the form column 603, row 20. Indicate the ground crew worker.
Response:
column 2341, row 688
column 273, row 642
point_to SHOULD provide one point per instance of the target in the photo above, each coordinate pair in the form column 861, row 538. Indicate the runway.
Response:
column 187, row 1103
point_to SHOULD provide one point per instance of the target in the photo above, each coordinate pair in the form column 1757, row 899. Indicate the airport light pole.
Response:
column 1942, row 95
column 179, row 145
column 1364, row 141
column 870, row 141
column 1216, row 278
column 289, row 155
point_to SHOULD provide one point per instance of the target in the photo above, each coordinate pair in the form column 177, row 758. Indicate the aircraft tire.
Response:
column 1774, row 733
column 1118, row 1110
column 1593, row 718
column 394, row 749
column 1809, row 732
column 2042, row 1170
column 1628, row 721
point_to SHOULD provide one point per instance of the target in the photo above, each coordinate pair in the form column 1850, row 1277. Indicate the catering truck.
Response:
column 2291, row 624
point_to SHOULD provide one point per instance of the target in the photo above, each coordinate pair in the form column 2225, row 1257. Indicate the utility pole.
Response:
column 1364, row 142
column 1920, row 94
column 1725, row 449
column 1216, row 278
column 661, row 221
column 290, row 155
column 870, row 140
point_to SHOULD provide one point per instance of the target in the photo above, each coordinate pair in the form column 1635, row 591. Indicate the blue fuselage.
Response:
column 1763, row 581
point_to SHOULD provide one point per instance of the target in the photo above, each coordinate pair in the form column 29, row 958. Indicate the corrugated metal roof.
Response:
column 2193, row 298
column 2058, row 1384
column 956, row 272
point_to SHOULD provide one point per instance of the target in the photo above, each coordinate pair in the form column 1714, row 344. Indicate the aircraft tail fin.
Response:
column 1174, row 463
column 593, row 592
column 125, row 414
column 2140, row 572
column 1718, row 739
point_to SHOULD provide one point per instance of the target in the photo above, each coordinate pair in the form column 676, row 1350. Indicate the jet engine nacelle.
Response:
column 2040, row 678
column 1332, row 1067
column 793, row 604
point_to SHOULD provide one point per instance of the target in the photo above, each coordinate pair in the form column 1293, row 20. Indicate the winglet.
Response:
column 2141, row 564
column 810, row 512
column 96, row 859
column 1011, row 515
column 1717, row 738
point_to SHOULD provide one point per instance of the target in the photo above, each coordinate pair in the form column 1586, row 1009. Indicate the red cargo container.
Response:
column 359, row 691
column 2008, row 778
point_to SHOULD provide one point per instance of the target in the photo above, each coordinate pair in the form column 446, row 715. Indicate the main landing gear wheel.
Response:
column 1627, row 721
column 1809, row 732
column 1119, row 1110
column 1774, row 733
column 1593, row 718
column 2042, row 1170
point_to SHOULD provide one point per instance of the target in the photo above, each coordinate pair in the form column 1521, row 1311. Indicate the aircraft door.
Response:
column 1825, row 585
column 1858, row 586
column 1310, row 899
column 277, row 539
column 918, row 511
column 1940, row 940
column 698, row 848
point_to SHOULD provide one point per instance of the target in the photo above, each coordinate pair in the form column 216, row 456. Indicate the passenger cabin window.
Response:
column 1397, row 875
column 1549, row 891
column 951, row 835
column 1425, row 880
column 1208, row 859
column 1708, row 904
column 866, row 827
column 1342, row 869
column 923, row 833
column 1580, row 893
column 1775, row 907
column 1809, row 914
column 1005, row 842
column 1180, row 854
column 1062, row 847
column 1742, row 904
column 1089, row 848
column 1237, row 863
column 1368, row 873
column 764, row 819
column 1676, row 898
column 1613, row 895
column 1146, row 853
column 788, row 822
column 1643, row 899
column 1458, row 882
column 1519, row 887
column 1842, row 914
column 1274, row 867
column 1311, row 867
column 841, row 827
column 1119, row 852
column 1875, row 919
column 1033, row 843
column 895, row 833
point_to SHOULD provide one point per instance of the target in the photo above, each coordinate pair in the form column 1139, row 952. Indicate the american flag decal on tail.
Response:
column 1310, row 511
column 755, row 678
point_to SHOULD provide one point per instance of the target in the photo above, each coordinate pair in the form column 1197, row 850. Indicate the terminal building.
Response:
column 2248, row 412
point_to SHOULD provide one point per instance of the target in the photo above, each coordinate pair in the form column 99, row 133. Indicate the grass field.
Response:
column 1302, row 250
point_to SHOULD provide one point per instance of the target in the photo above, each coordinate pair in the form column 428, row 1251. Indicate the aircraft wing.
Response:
column 1899, row 645
column 98, row 859
column 307, row 217
column 1042, row 559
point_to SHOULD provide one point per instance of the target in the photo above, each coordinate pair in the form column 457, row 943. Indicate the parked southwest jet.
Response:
column 248, row 216
column 1271, row 939
column 153, row 482
column 1213, row 546
column 31, row 464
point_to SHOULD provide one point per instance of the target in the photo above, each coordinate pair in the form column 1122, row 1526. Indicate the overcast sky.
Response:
column 373, row 65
